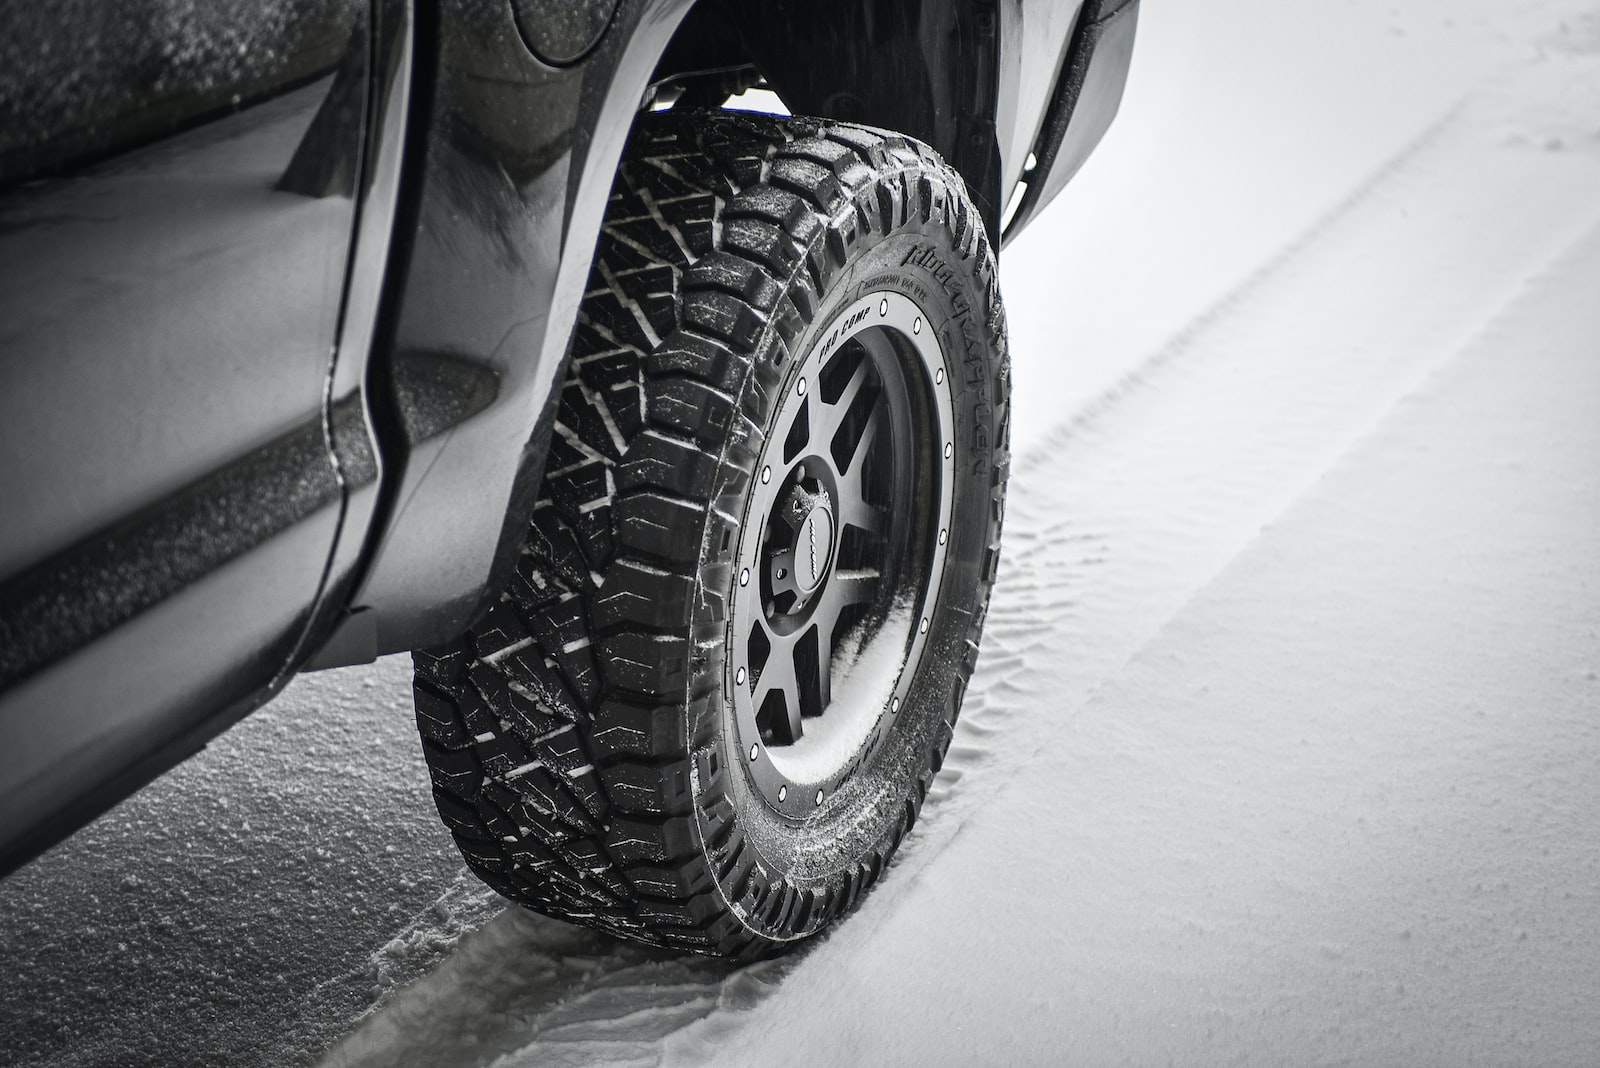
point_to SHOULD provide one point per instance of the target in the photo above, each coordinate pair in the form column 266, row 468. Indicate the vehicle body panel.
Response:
column 176, row 229
column 1087, row 93
column 168, row 293
column 511, row 179
column 1035, row 35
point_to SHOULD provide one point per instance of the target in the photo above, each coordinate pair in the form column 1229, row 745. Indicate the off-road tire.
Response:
column 579, row 735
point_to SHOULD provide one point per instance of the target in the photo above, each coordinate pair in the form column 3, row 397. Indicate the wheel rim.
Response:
column 842, row 552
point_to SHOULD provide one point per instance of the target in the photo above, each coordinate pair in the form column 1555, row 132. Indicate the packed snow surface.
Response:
column 1282, row 746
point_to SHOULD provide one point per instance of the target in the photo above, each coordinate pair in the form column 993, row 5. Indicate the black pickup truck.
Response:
column 669, row 432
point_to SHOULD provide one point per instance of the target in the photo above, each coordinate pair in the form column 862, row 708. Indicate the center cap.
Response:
column 813, row 547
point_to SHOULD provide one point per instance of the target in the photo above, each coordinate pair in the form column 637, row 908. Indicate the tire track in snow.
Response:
column 1136, row 501
column 1131, row 506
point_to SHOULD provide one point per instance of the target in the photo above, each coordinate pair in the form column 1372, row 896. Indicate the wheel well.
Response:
column 926, row 68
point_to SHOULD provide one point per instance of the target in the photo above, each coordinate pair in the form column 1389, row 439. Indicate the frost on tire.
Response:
column 707, row 706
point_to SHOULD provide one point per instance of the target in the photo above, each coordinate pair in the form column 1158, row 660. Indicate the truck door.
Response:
column 176, row 211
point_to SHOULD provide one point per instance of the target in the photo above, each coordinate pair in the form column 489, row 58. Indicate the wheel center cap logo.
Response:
column 812, row 550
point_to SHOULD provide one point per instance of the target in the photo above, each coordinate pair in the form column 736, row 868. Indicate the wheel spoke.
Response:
column 822, row 420
column 849, row 465
column 845, row 589
column 822, row 632
column 780, row 573
column 797, row 430
column 792, row 705
column 852, row 388
column 827, row 417
column 779, row 675
column 853, row 509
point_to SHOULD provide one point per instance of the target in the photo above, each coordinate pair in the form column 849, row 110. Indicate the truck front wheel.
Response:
column 708, row 705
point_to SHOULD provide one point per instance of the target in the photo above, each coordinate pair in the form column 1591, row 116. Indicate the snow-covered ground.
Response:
column 1283, row 745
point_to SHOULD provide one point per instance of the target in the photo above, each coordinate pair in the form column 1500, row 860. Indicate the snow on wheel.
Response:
column 707, row 707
